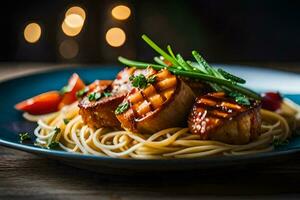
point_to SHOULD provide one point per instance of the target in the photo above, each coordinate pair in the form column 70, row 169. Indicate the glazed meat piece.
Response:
column 98, row 106
column 217, row 117
column 161, row 104
column 100, row 113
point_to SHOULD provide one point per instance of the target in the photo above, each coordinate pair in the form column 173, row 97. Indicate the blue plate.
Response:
column 16, row 90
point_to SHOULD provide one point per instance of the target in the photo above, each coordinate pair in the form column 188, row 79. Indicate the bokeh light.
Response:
column 115, row 37
column 68, row 48
column 121, row 12
column 73, row 21
column 69, row 31
column 76, row 10
column 32, row 32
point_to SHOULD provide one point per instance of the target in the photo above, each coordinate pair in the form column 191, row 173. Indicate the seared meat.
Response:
column 122, row 83
column 100, row 85
column 99, row 113
column 217, row 117
column 162, row 104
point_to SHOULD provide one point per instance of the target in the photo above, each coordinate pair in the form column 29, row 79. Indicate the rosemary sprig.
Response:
column 220, row 80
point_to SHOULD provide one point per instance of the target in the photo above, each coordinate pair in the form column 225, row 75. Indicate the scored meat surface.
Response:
column 162, row 104
column 217, row 117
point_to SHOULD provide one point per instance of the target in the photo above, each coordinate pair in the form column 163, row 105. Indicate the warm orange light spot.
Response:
column 74, row 20
column 69, row 31
column 76, row 10
column 115, row 37
column 32, row 32
column 69, row 48
column 121, row 12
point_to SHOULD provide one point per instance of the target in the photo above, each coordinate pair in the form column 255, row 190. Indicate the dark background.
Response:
column 223, row 31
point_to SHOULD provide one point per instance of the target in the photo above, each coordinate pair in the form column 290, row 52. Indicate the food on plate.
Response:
column 97, row 106
column 217, row 117
column 174, row 108
column 43, row 103
column 151, row 103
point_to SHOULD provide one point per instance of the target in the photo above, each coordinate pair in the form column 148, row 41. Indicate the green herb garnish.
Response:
column 65, row 89
column 122, row 108
column 94, row 96
column 53, row 145
column 82, row 92
column 24, row 137
column 220, row 80
column 56, row 130
column 66, row 121
column 151, row 79
column 240, row 98
column 107, row 94
column 231, row 77
column 51, row 141
column 140, row 81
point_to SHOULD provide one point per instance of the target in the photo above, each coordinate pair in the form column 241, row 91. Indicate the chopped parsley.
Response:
column 24, row 136
column 140, row 81
column 82, row 92
column 97, row 95
column 240, row 98
column 122, row 108
column 66, row 121
column 56, row 130
column 94, row 96
column 52, row 144
column 65, row 89
column 107, row 94
column 152, row 79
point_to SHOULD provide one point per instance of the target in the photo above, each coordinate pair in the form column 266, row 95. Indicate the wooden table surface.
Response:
column 23, row 175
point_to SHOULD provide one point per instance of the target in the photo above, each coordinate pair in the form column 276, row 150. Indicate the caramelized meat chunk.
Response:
column 99, row 111
column 217, row 117
column 162, row 104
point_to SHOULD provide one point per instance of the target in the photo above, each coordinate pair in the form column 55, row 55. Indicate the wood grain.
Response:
column 26, row 176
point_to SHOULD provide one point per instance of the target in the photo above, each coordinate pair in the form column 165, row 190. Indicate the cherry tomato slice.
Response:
column 75, row 84
column 41, row 104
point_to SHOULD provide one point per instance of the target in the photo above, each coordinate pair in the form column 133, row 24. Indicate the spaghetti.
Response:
column 75, row 136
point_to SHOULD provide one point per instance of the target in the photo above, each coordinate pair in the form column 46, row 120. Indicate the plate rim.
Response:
column 76, row 156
